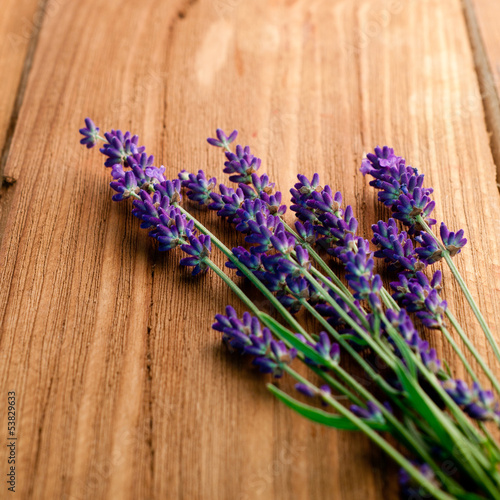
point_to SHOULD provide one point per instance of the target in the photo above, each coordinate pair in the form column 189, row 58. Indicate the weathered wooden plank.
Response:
column 20, row 25
column 481, row 17
column 487, row 13
column 123, row 390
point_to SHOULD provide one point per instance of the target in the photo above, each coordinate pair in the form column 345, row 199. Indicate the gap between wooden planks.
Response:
column 20, row 25
column 481, row 17
column 123, row 390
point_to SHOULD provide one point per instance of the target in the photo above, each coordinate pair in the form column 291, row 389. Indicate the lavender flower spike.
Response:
column 199, row 249
column 453, row 242
column 247, row 336
column 222, row 140
column 90, row 134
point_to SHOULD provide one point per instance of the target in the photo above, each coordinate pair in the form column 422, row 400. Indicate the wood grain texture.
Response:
column 20, row 25
column 123, row 389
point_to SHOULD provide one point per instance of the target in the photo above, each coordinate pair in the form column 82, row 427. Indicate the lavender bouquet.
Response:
column 441, row 424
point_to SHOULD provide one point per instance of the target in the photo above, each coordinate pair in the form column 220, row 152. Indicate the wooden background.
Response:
column 123, row 390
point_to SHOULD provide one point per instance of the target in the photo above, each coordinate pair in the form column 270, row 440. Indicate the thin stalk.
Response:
column 464, row 423
column 248, row 274
column 459, row 352
column 348, row 300
column 336, row 385
column 382, row 443
column 248, row 303
column 376, row 347
column 463, row 286
column 328, row 270
column 233, row 286
column 473, row 350
column 388, row 300
column 376, row 377
column 495, row 446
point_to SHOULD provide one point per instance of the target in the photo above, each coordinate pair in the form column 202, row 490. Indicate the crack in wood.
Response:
column 486, row 80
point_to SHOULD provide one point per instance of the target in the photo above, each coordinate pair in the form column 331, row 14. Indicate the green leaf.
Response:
column 424, row 406
column 288, row 337
column 353, row 338
column 321, row 416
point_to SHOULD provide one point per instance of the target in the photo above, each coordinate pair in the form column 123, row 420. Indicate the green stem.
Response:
column 382, row 443
column 337, row 385
column 233, row 286
column 376, row 377
column 252, row 307
column 328, row 270
column 459, row 352
column 463, row 286
column 375, row 346
column 474, row 457
column 348, row 300
column 248, row 274
column 473, row 350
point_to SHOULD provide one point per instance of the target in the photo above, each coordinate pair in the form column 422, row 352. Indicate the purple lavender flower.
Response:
column 283, row 242
column 419, row 295
column 157, row 173
column 199, row 250
column 276, row 361
column 147, row 208
column 241, row 163
column 306, row 231
column 247, row 336
column 335, row 229
column 251, row 260
column 238, row 333
column 170, row 189
column 453, row 242
column 274, row 279
column 222, row 141
column 324, row 347
column 261, row 184
column 292, row 268
column 219, row 200
column 119, row 147
column 381, row 158
column 325, row 202
column 199, row 187
column 395, row 247
column 479, row 404
column 323, row 392
column 174, row 229
column 249, row 211
column 261, row 230
column 125, row 187
column 371, row 412
column 273, row 203
column 359, row 274
column 410, row 488
column 183, row 176
column 408, row 208
column 90, row 134
column 429, row 250
column 232, row 203
column 400, row 187
column 306, row 390
column 301, row 194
